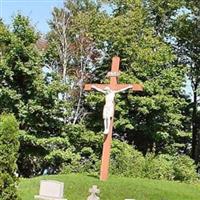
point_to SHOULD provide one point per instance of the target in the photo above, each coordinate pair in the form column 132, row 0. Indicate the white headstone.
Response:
column 51, row 190
column 129, row 199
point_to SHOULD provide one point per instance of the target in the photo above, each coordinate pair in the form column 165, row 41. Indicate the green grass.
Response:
column 116, row 188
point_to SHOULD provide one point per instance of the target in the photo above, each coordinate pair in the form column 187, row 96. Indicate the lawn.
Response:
column 116, row 188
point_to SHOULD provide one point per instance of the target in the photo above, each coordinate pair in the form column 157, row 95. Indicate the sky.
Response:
column 39, row 11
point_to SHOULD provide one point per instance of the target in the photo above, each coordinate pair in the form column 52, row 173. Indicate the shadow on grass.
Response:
column 96, row 176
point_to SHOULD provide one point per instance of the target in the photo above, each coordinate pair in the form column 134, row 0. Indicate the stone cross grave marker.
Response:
column 93, row 193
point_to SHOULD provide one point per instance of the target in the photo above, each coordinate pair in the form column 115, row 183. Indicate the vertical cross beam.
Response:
column 105, row 159
column 114, row 69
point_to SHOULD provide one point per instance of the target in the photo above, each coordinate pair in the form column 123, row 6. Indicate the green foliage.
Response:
column 125, row 160
column 87, row 147
column 164, row 166
column 159, row 167
column 184, row 168
column 75, row 150
column 81, row 138
column 38, row 154
column 31, row 95
column 79, row 164
column 155, row 115
column 9, row 146
column 185, row 30
column 82, row 41
column 23, row 30
column 161, row 13
column 57, row 157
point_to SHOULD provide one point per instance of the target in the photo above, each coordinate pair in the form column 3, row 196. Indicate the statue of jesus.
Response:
column 108, row 110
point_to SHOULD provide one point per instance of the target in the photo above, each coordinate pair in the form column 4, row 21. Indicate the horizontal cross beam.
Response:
column 135, row 87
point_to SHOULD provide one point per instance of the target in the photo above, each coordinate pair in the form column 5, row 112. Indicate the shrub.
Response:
column 90, row 165
column 87, row 146
column 76, row 149
column 9, row 147
column 159, row 167
column 125, row 160
column 181, row 167
column 184, row 168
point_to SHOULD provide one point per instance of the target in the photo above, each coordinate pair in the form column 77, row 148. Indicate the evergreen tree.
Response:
column 9, row 146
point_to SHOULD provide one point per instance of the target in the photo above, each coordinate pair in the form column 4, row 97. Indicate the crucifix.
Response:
column 108, row 111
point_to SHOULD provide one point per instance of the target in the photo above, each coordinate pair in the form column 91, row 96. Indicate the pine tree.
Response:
column 9, row 146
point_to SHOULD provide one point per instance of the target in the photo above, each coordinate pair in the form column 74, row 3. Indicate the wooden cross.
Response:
column 114, row 87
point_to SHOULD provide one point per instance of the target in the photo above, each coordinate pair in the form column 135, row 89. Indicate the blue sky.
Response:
column 39, row 11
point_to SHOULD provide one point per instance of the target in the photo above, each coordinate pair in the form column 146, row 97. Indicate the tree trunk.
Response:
column 195, row 138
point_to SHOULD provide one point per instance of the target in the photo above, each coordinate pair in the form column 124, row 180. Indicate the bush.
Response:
column 90, row 165
column 76, row 149
column 125, row 160
column 159, row 167
column 9, row 147
column 87, row 146
column 184, row 169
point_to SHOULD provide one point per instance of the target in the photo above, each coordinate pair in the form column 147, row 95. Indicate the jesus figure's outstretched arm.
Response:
column 123, row 89
column 98, row 89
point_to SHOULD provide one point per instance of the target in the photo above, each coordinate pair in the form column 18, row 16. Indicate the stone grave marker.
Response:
column 50, row 190
column 94, row 191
